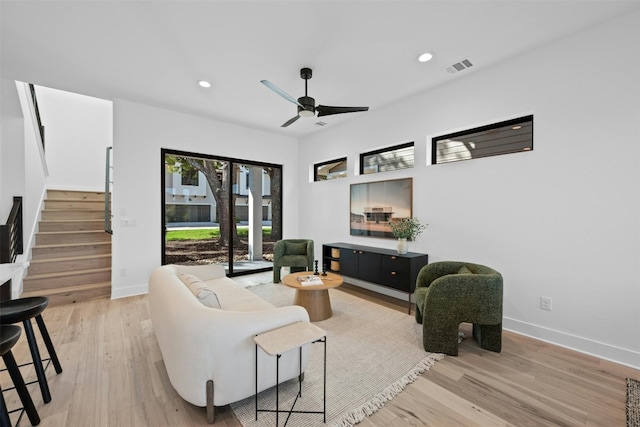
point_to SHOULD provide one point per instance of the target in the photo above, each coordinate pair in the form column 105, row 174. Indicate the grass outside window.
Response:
column 208, row 233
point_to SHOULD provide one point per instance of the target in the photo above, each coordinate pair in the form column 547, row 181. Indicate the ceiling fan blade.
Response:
column 326, row 110
column 280, row 92
column 288, row 122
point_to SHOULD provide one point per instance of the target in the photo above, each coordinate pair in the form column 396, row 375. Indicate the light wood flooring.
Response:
column 114, row 376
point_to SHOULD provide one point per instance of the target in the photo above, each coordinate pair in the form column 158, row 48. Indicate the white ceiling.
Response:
column 363, row 53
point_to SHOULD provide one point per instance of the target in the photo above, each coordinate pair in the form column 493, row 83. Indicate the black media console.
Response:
column 383, row 267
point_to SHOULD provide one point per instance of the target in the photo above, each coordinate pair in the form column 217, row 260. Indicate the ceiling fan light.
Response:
column 306, row 113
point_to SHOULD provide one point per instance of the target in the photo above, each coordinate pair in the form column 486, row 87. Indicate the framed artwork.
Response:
column 374, row 204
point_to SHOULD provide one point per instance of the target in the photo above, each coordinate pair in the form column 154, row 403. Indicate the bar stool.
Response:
column 22, row 310
column 9, row 335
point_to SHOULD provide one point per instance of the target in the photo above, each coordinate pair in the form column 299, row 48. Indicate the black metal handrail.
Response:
column 11, row 233
column 34, row 99
column 107, row 192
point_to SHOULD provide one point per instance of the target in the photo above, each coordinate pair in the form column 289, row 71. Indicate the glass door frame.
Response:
column 233, row 162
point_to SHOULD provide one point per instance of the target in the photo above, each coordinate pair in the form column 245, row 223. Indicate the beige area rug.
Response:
column 633, row 402
column 373, row 352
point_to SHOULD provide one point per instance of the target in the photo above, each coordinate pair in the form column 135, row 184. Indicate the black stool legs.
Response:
column 23, row 310
column 21, row 388
column 37, row 361
column 35, row 354
column 9, row 335
column 4, row 414
column 47, row 342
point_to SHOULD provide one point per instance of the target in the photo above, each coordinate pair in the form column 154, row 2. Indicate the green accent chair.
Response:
column 451, row 292
column 297, row 253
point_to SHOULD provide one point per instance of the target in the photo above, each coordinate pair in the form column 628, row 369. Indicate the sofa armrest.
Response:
column 236, row 344
column 219, row 345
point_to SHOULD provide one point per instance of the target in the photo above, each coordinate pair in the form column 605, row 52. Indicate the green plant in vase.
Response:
column 406, row 229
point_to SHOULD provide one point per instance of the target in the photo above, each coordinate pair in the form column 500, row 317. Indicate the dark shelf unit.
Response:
column 383, row 267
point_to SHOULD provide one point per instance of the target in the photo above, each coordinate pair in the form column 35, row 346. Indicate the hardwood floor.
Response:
column 114, row 376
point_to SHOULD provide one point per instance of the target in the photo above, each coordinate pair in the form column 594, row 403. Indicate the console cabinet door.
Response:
column 396, row 272
column 369, row 267
column 349, row 262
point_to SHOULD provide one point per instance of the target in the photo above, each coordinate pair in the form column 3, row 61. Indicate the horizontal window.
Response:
column 387, row 159
column 511, row 136
column 331, row 169
column 187, row 213
column 189, row 176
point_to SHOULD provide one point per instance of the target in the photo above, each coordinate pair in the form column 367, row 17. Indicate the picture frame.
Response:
column 374, row 204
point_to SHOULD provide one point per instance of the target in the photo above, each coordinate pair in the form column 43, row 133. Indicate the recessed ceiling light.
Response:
column 425, row 57
column 204, row 83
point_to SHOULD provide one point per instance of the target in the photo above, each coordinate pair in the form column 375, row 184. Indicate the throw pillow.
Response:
column 296, row 248
column 464, row 270
column 200, row 290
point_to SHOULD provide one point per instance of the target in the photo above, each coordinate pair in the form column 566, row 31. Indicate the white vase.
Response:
column 402, row 246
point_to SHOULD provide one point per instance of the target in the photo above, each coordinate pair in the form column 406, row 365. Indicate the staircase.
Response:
column 71, row 258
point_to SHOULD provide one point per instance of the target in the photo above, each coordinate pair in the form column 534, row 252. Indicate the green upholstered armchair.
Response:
column 451, row 292
column 292, row 253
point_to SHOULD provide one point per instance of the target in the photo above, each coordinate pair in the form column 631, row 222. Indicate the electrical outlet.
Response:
column 123, row 272
column 545, row 303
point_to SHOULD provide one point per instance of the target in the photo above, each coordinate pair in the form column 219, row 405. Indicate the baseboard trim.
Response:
column 129, row 291
column 583, row 345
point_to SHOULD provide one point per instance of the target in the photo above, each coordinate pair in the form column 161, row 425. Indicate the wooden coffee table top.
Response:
column 331, row 280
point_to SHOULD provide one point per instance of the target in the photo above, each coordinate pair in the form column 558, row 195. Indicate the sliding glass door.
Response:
column 220, row 210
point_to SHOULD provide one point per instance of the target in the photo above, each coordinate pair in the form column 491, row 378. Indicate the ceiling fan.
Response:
column 306, row 104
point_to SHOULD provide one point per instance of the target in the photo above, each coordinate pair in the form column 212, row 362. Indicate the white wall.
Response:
column 23, row 170
column 78, row 129
column 11, row 148
column 562, row 221
column 140, row 132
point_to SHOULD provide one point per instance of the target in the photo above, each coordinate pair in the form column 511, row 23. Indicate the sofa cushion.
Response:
column 200, row 290
column 296, row 248
column 234, row 297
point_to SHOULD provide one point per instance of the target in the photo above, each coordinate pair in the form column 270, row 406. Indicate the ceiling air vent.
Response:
column 458, row 66
column 321, row 123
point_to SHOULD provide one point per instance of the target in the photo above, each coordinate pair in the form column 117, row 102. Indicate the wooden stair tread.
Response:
column 65, row 289
column 73, row 294
column 65, row 221
column 65, row 273
column 49, row 233
column 66, row 210
column 70, row 258
column 58, row 245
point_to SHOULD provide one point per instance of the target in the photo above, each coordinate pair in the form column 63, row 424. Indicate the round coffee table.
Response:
column 314, row 298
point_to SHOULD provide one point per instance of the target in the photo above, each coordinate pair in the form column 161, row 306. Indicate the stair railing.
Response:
column 11, row 234
column 34, row 99
column 107, row 192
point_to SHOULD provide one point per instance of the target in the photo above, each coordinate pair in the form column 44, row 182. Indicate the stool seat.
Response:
column 21, row 309
column 8, row 338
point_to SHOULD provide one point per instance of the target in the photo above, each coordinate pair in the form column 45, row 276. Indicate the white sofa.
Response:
column 209, row 353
